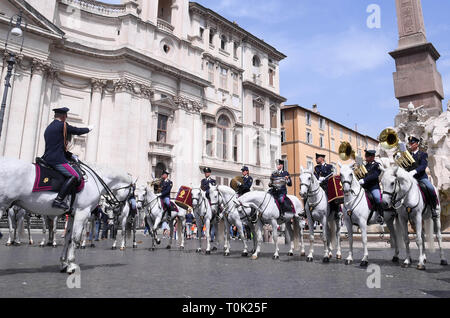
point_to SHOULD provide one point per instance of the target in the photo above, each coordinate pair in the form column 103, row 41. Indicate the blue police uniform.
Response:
column 280, row 194
column 323, row 170
column 56, row 154
column 371, row 182
column 246, row 185
column 166, row 187
column 206, row 183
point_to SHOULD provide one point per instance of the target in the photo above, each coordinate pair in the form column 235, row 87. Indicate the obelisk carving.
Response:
column 416, row 79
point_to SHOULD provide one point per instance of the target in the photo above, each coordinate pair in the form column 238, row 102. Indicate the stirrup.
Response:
column 380, row 220
column 60, row 205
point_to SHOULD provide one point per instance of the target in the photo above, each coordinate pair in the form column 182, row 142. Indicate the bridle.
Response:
column 357, row 200
column 224, row 206
column 199, row 202
column 146, row 203
column 312, row 193
column 394, row 194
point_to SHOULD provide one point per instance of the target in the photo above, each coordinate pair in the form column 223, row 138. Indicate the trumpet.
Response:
column 346, row 152
column 389, row 140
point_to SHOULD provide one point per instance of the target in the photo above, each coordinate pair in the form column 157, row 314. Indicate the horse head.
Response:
column 347, row 178
column 307, row 179
column 390, row 186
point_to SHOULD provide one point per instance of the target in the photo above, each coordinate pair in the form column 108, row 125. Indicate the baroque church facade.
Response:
column 167, row 84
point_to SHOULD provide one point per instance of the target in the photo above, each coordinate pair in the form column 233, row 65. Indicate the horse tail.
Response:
column 221, row 230
column 296, row 233
column 428, row 228
column 332, row 227
column 180, row 231
column 398, row 232
column 128, row 228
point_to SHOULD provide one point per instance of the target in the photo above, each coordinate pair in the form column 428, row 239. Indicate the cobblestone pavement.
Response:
column 31, row 271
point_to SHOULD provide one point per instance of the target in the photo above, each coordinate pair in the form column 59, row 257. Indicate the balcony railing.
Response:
column 165, row 26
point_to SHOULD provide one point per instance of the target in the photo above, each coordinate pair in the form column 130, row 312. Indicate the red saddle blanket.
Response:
column 173, row 206
column 290, row 204
column 50, row 180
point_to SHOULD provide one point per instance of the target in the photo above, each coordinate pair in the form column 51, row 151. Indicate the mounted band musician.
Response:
column 207, row 182
column 57, row 156
column 417, row 170
column 371, row 182
column 278, row 181
column 166, row 188
column 247, row 182
column 324, row 172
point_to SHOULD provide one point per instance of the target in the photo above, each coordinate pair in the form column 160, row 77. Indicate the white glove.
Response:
column 321, row 179
column 90, row 127
column 413, row 173
column 361, row 182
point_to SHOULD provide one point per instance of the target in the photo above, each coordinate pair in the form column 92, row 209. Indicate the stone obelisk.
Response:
column 416, row 79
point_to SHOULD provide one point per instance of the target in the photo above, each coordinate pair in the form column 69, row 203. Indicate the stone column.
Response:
column 29, row 137
column 94, row 119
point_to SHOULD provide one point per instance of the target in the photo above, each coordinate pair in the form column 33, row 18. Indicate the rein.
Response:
column 394, row 193
column 310, row 194
column 110, row 198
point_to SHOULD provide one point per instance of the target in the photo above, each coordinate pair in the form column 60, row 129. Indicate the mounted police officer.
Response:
column 417, row 170
column 323, row 171
column 57, row 156
column 166, row 187
column 207, row 182
column 280, row 193
column 247, row 182
column 371, row 182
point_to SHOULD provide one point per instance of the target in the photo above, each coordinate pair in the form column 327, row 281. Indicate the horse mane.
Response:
column 226, row 189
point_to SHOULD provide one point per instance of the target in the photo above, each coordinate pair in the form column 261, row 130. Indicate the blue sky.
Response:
column 334, row 60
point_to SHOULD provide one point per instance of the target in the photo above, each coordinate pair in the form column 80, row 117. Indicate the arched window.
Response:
column 223, row 42
column 256, row 61
column 159, row 169
column 223, row 124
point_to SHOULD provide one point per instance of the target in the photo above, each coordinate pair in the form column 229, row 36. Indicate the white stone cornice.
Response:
column 40, row 66
column 98, row 84
column 188, row 105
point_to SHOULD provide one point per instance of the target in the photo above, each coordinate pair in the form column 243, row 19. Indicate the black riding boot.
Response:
column 63, row 192
column 380, row 218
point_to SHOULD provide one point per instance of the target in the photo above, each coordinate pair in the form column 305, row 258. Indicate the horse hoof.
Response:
column 208, row 252
column 181, row 248
column 49, row 244
column 348, row 262
column 245, row 254
column 395, row 259
column 364, row 264
column 275, row 257
column 326, row 260
column 83, row 247
column 290, row 254
column 158, row 242
column 63, row 268
column 226, row 254
column 338, row 256
column 425, row 261
column 168, row 247
column 421, row 267
column 405, row 265
column 134, row 246
column 309, row 259
column 303, row 254
column 122, row 249
column 42, row 245
column 198, row 250
column 214, row 249
column 54, row 246
column 152, row 249
column 92, row 246
column 114, row 248
column 254, row 257
column 444, row 262
column 31, row 243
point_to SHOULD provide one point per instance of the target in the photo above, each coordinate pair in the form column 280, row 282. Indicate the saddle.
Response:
column 287, row 207
column 48, row 179
column 173, row 206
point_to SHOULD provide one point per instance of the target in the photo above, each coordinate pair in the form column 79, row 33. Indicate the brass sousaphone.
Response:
column 234, row 184
column 389, row 140
column 346, row 152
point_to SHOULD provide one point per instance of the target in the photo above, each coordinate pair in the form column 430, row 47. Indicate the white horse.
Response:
column 16, row 218
column 204, row 214
column 50, row 223
column 225, row 198
column 263, row 203
column 127, row 221
column 17, row 179
column 401, row 192
column 318, row 209
column 148, row 201
column 357, row 212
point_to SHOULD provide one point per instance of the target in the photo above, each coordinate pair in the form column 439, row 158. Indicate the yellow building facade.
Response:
column 305, row 132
